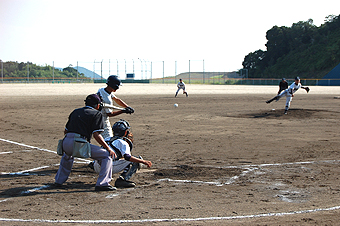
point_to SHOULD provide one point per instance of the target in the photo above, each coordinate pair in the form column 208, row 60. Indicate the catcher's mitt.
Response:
column 307, row 89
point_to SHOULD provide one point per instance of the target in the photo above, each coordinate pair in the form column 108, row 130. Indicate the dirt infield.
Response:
column 222, row 157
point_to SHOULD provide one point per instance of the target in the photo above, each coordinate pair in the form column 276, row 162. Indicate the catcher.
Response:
column 289, row 93
column 122, row 144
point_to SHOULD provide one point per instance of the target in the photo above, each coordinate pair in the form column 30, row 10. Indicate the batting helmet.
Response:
column 113, row 81
column 120, row 127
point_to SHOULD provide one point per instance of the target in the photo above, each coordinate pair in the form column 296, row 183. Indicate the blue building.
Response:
column 332, row 78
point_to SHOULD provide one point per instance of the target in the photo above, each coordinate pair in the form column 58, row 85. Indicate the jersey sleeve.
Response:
column 98, row 123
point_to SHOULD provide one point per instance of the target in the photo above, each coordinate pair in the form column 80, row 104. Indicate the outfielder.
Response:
column 122, row 144
column 289, row 93
column 108, row 97
column 181, row 85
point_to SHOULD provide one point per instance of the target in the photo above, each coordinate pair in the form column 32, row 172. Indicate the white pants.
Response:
column 180, row 89
column 289, row 98
column 117, row 166
column 107, row 128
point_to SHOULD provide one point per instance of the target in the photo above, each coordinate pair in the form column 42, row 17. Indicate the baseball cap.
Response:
column 92, row 100
column 297, row 78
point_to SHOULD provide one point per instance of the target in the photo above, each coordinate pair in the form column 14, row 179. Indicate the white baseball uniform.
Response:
column 107, row 99
column 288, row 93
column 118, row 165
column 181, row 85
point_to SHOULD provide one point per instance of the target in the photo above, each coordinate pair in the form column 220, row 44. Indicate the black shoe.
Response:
column 285, row 112
column 91, row 165
column 121, row 183
column 56, row 185
column 105, row 188
column 268, row 101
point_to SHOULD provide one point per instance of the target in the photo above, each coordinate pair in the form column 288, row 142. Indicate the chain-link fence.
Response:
column 140, row 71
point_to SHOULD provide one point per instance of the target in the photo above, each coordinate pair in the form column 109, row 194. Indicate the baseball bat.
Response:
column 112, row 107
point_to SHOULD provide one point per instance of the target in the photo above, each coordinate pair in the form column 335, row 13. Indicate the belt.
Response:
column 77, row 135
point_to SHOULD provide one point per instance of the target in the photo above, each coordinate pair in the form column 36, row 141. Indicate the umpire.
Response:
column 82, row 124
column 283, row 85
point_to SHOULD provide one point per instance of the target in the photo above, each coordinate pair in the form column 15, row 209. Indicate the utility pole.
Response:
column 28, row 72
column 2, row 71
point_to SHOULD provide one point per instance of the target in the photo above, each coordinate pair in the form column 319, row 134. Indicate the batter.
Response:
column 108, row 97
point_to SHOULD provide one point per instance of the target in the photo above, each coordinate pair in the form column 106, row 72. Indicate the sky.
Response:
column 101, row 35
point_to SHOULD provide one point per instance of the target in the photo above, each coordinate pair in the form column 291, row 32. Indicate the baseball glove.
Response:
column 128, row 110
column 307, row 89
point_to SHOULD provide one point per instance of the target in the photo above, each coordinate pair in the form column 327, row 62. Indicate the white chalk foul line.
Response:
column 6, row 152
column 174, row 219
column 40, row 149
column 28, row 146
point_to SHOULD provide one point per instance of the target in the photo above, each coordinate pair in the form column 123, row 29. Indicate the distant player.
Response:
column 122, row 143
column 289, row 93
column 108, row 97
column 181, row 85
column 283, row 85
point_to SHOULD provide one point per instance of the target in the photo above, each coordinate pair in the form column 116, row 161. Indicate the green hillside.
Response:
column 15, row 70
column 300, row 50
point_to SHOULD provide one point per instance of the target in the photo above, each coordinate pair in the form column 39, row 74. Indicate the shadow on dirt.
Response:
column 292, row 113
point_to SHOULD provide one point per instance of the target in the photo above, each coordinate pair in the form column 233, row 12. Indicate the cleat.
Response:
column 105, row 188
column 121, row 183
column 91, row 165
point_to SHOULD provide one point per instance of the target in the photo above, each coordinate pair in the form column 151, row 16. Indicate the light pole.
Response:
column 125, row 67
column 163, row 71
column 101, row 70
column 133, row 67
column 151, row 70
column 94, row 68
column 2, row 71
column 77, row 71
column 146, row 70
column 141, row 68
column 189, row 71
column 117, row 67
column 175, row 71
column 28, row 72
column 203, row 73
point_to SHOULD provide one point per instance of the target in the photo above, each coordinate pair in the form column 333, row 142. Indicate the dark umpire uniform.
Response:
column 82, row 124
column 283, row 85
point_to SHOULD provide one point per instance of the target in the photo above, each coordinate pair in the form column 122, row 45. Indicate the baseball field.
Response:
column 222, row 157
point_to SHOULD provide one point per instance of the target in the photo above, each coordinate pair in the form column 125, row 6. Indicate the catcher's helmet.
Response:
column 113, row 81
column 120, row 127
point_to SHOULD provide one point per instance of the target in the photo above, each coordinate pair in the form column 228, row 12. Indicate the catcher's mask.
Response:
column 120, row 127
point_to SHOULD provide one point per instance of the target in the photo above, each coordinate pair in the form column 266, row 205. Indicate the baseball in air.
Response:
column 175, row 105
